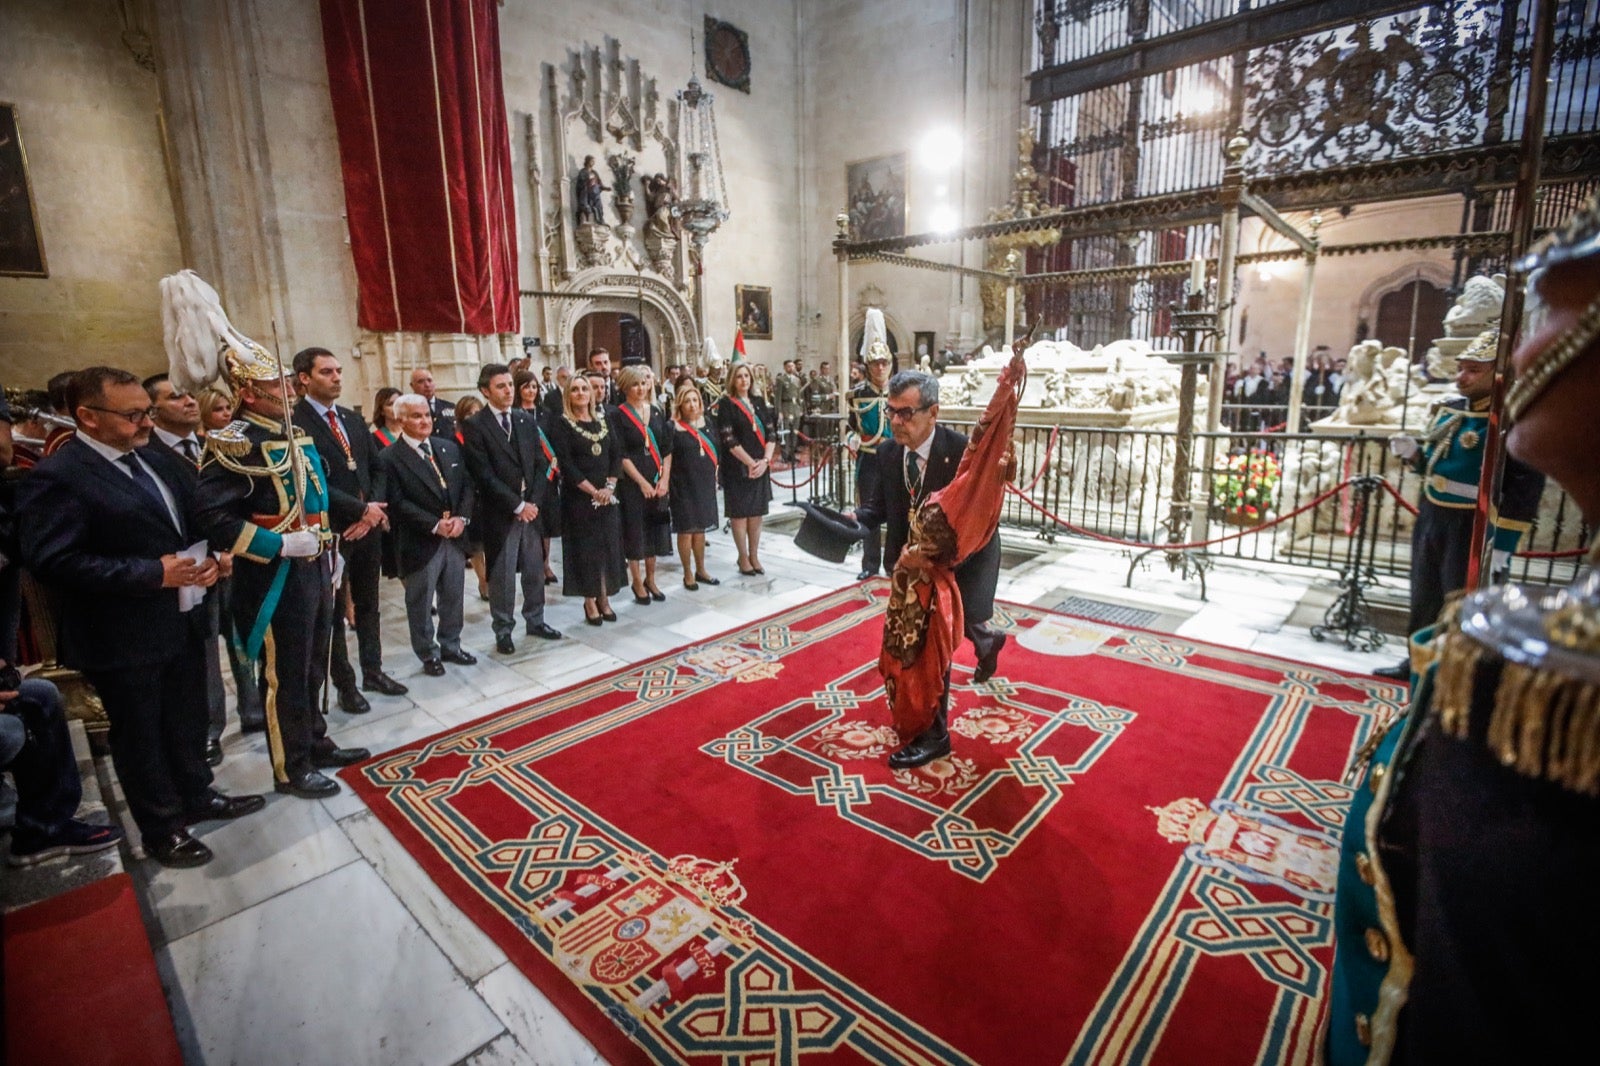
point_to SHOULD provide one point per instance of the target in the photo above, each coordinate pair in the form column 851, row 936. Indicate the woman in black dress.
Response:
column 642, row 432
column 526, row 386
column 591, row 463
column 747, row 447
column 694, row 483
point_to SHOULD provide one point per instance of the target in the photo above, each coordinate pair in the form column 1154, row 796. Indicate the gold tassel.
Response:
column 1452, row 687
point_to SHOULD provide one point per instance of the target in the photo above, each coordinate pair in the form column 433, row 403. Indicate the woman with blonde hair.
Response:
column 216, row 408
column 747, row 447
column 694, row 487
column 643, row 436
column 591, row 465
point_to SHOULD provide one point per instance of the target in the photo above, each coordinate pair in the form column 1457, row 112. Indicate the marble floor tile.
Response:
column 541, row 1031
column 469, row 949
column 290, row 842
column 333, row 971
column 391, row 732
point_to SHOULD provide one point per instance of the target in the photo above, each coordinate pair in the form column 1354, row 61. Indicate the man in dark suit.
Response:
column 509, row 479
column 429, row 497
column 103, row 523
column 177, row 419
column 920, row 460
column 442, row 410
column 599, row 362
column 344, row 440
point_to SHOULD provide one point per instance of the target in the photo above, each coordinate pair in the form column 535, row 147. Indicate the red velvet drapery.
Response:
column 421, row 116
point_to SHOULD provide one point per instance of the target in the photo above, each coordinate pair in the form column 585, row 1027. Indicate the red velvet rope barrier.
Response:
column 816, row 468
column 1568, row 553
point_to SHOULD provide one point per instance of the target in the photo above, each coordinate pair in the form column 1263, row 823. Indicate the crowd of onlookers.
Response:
column 1257, row 394
column 619, row 466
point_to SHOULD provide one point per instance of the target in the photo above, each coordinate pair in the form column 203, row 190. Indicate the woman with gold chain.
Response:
column 591, row 463
column 642, row 433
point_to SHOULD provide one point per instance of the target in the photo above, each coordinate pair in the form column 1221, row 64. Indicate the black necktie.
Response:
column 505, row 423
column 427, row 453
column 142, row 478
column 191, row 450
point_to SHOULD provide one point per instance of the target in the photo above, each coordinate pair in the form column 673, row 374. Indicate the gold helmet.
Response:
column 1483, row 349
column 203, row 347
column 879, row 352
column 1561, row 321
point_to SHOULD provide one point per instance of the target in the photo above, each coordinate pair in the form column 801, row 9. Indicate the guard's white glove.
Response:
column 1403, row 447
column 1499, row 562
column 300, row 544
column 338, row 569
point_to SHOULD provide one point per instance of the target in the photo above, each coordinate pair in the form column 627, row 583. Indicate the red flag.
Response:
column 738, row 346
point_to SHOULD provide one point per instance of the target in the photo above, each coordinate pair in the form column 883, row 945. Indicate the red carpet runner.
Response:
column 81, row 987
column 703, row 858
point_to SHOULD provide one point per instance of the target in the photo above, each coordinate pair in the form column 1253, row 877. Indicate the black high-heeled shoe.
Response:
column 590, row 619
column 657, row 595
column 609, row 615
column 706, row 579
column 642, row 601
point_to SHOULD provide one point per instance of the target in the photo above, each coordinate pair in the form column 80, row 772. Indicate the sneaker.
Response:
column 74, row 838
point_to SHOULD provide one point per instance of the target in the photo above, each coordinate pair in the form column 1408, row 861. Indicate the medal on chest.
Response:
column 594, row 448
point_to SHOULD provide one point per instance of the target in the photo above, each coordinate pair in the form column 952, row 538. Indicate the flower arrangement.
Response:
column 1245, row 486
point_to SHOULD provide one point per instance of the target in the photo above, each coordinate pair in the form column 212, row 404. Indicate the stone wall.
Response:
column 89, row 121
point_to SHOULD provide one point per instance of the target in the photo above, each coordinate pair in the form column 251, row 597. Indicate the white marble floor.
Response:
column 315, row 938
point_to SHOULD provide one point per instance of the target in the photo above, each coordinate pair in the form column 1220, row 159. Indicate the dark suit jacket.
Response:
column 890, row 505
column 348, row 490
column 505, row 473
column 416, row 500
column 96, row 539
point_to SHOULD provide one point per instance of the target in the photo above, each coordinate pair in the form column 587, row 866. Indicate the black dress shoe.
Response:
column 658, row 595
column 460, row 658
column 351, row 701
column 1400, row 671
column 504, row 645
column 177, row 849
column 220, row 808
column 642, row 601
column 690, row 585
column 988, row 663
column 544, row 631
column 213, row 752
column 706, row 580
column 866, row 574
column 924, row 748
column 748, row 573
column 309, row 785
column 328, row 758
column 383, row 685
column 433, row 667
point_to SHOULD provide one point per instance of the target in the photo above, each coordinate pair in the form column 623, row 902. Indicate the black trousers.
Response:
column 867, row 489
column 294, row 655
column 363, row 561
column 157, row 714
column 1441, row 544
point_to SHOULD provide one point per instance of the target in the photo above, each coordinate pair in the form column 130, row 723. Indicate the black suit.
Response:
column 891, row 505
column 351, row 474
column 431, row 566
column 92, row 535
column 508, row 472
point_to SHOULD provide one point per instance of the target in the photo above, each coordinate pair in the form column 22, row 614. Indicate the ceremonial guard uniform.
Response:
column 283, row 608
column 265, row 499
column 1451, row 463
column 869, row 420
column 1465, row 923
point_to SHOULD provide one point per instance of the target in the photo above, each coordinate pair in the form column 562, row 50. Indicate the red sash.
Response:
column 755, row 423
column 705, row 442
column 554, row 469
column 649, row 437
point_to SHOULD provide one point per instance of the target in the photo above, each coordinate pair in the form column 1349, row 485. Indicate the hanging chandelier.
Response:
column 706, row 206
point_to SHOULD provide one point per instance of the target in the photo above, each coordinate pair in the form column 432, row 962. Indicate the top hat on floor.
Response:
column 826, row 533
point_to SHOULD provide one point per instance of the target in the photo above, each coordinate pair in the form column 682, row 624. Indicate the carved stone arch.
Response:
column 667, row 316
column 1434, row 273
column 903, row 341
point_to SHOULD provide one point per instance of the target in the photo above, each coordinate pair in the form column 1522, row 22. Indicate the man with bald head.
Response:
column 442, row 410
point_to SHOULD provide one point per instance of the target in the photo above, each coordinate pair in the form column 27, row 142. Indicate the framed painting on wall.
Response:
column 21, row 248
column 753, row 311
column 876, row 192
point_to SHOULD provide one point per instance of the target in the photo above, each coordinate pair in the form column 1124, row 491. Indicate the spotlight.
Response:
column 942, row 219
column 940, row 149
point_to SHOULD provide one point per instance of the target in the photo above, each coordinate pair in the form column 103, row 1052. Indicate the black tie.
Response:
column 505, row 423
column 191, row 450
column 142, row 478
column 914, row 472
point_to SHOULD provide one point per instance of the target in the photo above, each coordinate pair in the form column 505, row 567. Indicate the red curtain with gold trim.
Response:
column 420, row 110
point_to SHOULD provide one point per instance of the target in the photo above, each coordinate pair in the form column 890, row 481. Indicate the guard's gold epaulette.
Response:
column 1542, row 724
column 230, row 440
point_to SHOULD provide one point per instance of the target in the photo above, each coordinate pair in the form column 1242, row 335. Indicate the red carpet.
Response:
column 703, row 858
column 81, row 985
